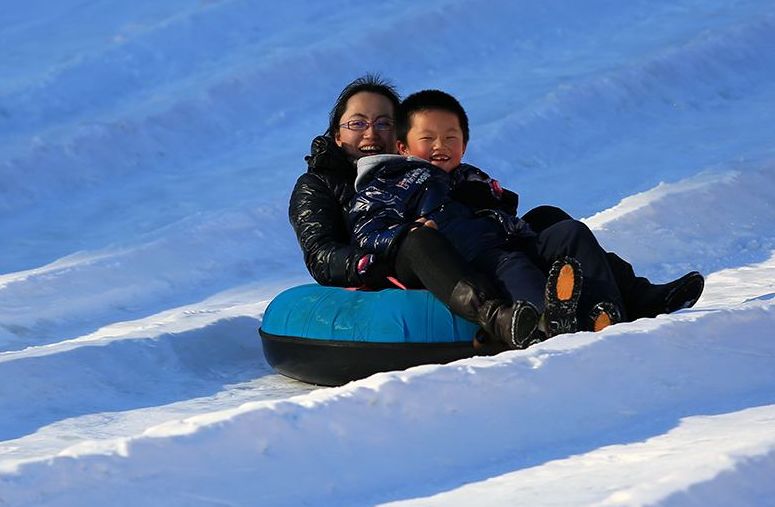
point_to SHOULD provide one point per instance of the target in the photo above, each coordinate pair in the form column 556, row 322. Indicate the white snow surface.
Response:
column 147, row 152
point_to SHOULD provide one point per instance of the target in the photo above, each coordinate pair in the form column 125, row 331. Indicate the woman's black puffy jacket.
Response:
column 318, row 214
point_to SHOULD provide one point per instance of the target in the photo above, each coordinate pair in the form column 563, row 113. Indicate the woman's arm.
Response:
column 318, row 219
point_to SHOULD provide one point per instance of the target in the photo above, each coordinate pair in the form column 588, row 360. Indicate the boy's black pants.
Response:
column 426, row 259
column 520, row 267
column 573, row 238
column 542, row 217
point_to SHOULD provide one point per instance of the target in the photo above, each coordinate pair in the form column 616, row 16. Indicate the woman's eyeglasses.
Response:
column 360, row 125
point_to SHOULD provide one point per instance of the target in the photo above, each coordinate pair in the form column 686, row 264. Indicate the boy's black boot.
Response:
column 512, row 324
column 561, row 298
column 651, row 300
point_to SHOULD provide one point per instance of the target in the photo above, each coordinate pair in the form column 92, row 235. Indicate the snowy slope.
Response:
column 147, row 152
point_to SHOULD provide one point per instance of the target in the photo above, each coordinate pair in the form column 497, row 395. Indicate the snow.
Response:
column 147, row 152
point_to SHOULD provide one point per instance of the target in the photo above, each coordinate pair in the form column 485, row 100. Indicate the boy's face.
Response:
column 436, row 136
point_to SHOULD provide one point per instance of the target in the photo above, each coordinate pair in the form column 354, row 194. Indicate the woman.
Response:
column 362, row 123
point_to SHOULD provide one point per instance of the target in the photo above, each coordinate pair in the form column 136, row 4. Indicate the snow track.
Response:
column 568, row 396
column 146, row 156
column 128, row 375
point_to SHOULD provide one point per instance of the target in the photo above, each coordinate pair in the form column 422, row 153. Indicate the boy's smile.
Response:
column 435, row 135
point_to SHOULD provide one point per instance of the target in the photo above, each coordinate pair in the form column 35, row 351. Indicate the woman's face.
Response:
column 375, row 112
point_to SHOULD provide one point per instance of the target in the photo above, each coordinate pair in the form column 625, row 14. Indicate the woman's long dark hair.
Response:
column 373, row 83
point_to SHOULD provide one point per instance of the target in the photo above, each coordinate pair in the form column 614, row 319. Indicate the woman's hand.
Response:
column 374, row 272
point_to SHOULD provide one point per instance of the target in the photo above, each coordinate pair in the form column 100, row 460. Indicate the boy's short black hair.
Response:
column 373, row 83
column 428, row 100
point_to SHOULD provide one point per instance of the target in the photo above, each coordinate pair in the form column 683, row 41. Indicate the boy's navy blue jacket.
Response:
column 469, row 207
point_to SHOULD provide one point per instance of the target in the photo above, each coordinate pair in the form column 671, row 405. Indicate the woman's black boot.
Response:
column 512, row 324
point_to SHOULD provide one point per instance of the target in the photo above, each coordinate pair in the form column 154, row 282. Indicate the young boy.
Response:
column 428, row 186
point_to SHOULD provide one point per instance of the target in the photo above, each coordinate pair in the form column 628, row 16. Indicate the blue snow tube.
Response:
column 330, row 335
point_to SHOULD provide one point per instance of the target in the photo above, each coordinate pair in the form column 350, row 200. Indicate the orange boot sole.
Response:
column 563, row 289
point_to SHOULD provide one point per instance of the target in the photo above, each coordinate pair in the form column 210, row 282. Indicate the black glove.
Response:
column 373, row 272
column 325, row 154
column 485, row 195
column 475, row 194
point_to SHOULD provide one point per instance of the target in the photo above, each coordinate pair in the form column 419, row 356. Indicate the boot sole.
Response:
column 561, row 299
column 604, row 314
column 686, row 294
column 602, row 321
column 524, row 322
column 566, row 281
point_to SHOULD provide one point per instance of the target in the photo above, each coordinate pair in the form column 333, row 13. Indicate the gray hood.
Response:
column 366, row 166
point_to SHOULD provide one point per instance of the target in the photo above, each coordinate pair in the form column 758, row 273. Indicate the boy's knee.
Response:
column 569, row 233
column 571, row 228
column 545, row 216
